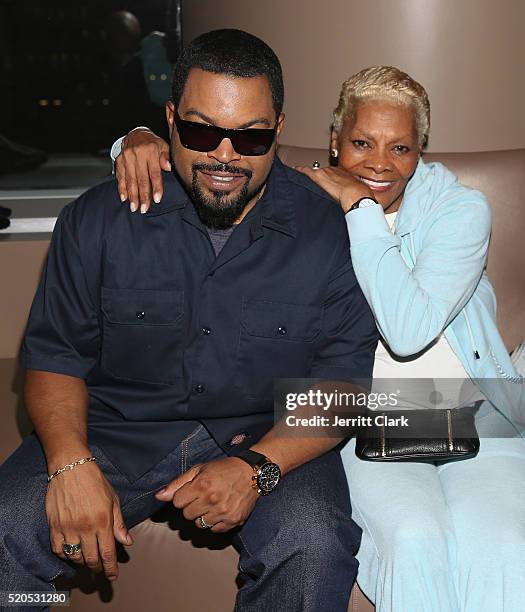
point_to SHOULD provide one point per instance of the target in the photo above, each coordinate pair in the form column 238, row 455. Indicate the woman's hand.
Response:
column 339, row 184
column 138, row 168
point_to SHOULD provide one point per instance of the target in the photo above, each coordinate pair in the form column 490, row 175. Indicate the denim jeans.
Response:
column 296, row 549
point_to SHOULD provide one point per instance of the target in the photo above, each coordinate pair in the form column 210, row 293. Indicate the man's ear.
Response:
column 170, row 114
column 280, row 125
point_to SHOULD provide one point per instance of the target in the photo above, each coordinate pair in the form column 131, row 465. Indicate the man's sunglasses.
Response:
column 204, row 138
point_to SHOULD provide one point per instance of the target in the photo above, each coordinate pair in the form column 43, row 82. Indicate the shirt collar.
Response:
column 173, row 198
column 275, row 208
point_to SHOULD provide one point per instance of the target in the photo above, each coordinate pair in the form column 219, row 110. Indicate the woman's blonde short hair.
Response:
column 384, row 83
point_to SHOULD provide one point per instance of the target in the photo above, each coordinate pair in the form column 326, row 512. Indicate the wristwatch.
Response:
column 266, row 474
column 362, row 203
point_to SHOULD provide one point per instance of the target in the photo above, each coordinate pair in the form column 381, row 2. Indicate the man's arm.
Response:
column 80, row 504
column 57, row 407
column 60, row 348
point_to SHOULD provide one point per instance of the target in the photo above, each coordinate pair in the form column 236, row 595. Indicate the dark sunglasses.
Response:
column 204, row 138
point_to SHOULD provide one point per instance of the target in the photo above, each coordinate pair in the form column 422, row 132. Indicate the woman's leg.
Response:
column 408, row 545
column 486, row 498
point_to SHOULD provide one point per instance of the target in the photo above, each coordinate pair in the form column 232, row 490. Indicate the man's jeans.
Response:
column 296, row 549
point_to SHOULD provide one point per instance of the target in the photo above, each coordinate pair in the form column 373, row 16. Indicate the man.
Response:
column 154, row 340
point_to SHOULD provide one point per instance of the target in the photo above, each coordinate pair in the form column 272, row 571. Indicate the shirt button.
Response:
column 140, row 314
column 282, row 331
column 206, row 331
column 199, row 389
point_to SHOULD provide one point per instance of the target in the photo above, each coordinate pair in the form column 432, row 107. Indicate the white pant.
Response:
column 442, row 539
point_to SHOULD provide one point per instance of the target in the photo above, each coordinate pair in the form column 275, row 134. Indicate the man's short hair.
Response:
column 234, row 53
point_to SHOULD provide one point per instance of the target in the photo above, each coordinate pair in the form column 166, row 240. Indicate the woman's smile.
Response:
column 376, row 185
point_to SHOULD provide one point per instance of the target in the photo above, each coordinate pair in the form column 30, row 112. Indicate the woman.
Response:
column 436, row 537
column 444, row 537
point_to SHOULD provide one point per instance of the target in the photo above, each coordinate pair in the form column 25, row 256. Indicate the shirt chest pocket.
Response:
column 277, row 340
column 142, row 334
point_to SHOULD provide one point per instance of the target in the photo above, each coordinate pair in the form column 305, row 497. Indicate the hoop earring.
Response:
column 334, row 153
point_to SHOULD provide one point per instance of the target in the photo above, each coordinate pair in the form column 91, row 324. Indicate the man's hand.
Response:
column 138, row 168
column 339, row 184
column 82, row 508
column 221, row 491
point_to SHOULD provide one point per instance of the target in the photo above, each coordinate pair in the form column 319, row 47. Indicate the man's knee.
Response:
column 306, row 516
column 22, row 480
column 317, row 533
column 23, row 487
column 324, row 540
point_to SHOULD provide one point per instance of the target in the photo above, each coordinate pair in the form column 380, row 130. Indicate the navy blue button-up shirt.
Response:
column 167, row 335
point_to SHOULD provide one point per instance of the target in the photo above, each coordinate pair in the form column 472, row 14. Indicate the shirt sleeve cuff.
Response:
column 116, row 148
column 56, row 365
column 365, row 224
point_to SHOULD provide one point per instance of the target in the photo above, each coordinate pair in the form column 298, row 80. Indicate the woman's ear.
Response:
column 334, row 148
column 333, row 140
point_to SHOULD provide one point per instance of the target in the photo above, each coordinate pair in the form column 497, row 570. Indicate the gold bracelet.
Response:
column 70, row 466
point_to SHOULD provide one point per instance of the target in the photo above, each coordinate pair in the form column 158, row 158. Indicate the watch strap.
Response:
column 253, row 458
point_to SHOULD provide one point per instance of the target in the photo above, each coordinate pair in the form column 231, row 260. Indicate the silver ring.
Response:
column 71, row 549
column 203, row 523
column 316, row 165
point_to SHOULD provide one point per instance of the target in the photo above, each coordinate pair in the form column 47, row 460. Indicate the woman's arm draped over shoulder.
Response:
column 139, row 158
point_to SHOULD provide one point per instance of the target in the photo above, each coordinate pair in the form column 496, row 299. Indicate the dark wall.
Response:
column 58, row 89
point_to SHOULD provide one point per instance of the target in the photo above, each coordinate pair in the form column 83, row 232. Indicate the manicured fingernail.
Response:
column 122, row 197
column 143, row 208
column 133, row 207
column 156, row 197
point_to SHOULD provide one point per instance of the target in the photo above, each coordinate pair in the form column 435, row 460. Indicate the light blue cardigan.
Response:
column 429, row 277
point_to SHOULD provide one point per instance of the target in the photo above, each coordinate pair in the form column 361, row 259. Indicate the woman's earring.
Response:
column 334, row 153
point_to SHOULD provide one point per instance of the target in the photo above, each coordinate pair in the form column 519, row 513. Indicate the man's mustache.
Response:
column 221, row 168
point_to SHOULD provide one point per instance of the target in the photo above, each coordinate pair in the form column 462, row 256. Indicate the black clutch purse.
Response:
column 418, row 435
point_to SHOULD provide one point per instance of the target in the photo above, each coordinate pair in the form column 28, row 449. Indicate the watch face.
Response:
column 268, row 477
column 365, row 202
